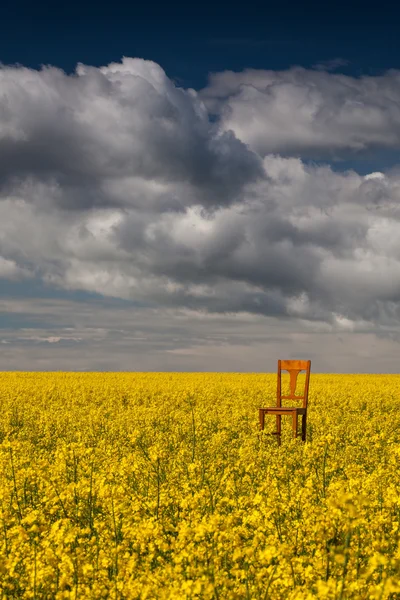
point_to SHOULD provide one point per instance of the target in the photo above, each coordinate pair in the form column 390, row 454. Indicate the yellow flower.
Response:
column 160, row 486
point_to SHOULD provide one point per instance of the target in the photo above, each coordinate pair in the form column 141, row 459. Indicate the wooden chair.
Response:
column 293, row 367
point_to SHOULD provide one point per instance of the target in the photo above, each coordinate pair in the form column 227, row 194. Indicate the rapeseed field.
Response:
column 160, row 486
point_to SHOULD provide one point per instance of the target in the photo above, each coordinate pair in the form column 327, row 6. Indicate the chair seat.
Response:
column 282, row 410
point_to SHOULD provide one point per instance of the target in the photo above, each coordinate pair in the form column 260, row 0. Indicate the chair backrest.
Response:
column 294, row 367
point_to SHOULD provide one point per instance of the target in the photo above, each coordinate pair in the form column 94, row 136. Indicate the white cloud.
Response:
column 117, row 183
column 307, row 112
column 52, row 339
column 10, row 270
column 303, row 244
column 376, row 175
column 80, row 135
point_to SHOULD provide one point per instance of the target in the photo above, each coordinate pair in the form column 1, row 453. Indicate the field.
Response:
column 160, row 486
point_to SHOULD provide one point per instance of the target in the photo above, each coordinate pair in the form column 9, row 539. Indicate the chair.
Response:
column 294, row 367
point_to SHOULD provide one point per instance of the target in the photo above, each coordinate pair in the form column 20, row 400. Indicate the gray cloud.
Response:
column 117, row 183
column 306, row 243
column 100, row 336
column 80, row 134
column 307, row 112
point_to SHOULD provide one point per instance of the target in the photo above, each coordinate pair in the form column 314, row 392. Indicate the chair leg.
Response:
column 278, row 428
column 304, row 428
column 295, row 424
column 261, row 415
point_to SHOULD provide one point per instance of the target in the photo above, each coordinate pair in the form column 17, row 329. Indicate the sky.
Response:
column 198, row 187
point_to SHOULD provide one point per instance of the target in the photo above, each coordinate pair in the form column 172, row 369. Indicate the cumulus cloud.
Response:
column 122, row 135
column 304, row 112
column 117, row 182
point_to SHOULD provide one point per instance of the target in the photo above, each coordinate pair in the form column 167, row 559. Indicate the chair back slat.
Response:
column 294, row 367
column 287, row 365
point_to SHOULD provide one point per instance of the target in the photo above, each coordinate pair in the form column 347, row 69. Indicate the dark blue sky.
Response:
column 190, row 40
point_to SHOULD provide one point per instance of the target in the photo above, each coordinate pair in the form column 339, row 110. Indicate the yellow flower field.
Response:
column 160, row 486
